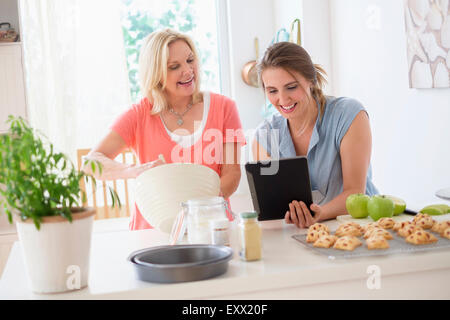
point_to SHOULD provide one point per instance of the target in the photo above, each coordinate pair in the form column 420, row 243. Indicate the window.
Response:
column 193, row 17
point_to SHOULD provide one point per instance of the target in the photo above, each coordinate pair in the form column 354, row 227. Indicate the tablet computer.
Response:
column 276, row 183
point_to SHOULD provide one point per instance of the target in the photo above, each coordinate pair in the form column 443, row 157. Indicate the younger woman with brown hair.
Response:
column 333, row 133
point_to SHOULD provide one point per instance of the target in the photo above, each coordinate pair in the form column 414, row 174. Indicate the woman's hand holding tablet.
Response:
column 301, row 216
column 276, row 184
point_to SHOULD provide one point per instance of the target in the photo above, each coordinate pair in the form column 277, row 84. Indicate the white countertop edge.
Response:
column 221, row 286
column 234, row 282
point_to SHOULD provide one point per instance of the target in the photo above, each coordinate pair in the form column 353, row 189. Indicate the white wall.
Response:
column 248, row 19
column 286, row 11
column 315, row 29
column 410, row 127
column 317, row 37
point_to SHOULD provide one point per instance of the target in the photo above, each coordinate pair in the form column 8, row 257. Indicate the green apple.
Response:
column 380, row 206
column 356, row 205
column 436, row 209
column 445, row 208
column 399, row 205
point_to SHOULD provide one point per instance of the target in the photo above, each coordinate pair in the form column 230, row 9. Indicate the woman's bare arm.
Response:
column 355, row 152
column 259, row 153
column 105, row 153
column 230, row 175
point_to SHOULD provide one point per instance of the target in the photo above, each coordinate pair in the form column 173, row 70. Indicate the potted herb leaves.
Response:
column 42, row 187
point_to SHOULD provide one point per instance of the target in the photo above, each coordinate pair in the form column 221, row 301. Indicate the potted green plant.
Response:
column 42, row 187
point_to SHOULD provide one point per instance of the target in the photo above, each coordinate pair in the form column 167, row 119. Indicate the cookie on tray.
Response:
column 319, row 226
column 379, row 232
column 370, row 230
column 420, row 216
column 348, row 230
column 313, row 235
column 353, row 224
column 325, row 241
column 386, row 223
column 400, row 225
column 424, row 221
column 421, row 237
column 377, row 242
column 408, row 230
column 446, row 233
column 369, row 226
column 348, row 243
column 439, row 227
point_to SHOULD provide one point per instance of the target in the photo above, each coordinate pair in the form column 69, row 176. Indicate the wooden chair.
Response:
column 106, row 212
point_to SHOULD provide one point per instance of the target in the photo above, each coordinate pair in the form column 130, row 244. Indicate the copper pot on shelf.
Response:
column 249, row 72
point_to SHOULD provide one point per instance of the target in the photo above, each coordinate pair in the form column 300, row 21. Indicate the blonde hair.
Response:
column 153, row 59
column 292, row 57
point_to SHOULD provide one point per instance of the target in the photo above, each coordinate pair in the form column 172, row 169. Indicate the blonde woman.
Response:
column 333, row 133
column 174, row 119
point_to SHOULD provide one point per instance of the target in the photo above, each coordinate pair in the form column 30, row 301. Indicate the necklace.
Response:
column 180, row 116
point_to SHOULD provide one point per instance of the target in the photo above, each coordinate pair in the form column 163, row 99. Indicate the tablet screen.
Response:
column 276, row 183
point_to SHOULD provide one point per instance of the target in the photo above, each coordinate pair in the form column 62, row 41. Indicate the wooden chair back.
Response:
column 105, row 211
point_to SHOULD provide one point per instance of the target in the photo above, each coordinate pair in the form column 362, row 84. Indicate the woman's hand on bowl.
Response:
column 139, row 169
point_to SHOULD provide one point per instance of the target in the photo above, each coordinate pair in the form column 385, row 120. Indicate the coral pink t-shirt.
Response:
column 146, row 135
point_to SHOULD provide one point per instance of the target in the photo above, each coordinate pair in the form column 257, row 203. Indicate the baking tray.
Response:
column 180, row 263
column 396, row 245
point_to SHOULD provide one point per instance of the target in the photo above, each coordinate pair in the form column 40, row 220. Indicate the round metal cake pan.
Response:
column 180, row 263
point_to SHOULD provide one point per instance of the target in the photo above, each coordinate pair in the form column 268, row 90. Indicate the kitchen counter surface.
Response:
column 288, row 270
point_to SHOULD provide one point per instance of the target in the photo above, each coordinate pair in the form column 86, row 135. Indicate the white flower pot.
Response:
column 57, row 256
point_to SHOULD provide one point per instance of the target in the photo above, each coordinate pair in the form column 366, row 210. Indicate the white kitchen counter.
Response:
column 288, row 270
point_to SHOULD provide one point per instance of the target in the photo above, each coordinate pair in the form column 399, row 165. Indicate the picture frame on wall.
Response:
column 427, row 25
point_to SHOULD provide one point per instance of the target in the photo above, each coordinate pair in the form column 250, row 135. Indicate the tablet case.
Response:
column 273, row 185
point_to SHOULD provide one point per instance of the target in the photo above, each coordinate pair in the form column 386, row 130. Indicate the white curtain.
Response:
column 75, row 67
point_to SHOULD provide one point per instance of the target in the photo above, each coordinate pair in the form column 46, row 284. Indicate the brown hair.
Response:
column 292, row 57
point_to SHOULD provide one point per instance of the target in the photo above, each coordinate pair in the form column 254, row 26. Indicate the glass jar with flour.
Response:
column 198, row 213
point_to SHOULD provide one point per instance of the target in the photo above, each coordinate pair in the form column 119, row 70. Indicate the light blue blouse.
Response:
column 324, row 161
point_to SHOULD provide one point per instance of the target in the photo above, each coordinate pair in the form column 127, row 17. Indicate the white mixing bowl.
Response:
column 161, row 190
